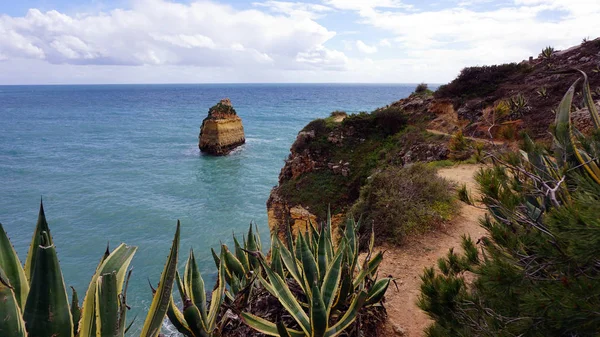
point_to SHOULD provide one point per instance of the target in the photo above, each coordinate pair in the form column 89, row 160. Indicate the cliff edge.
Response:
column 222, row 130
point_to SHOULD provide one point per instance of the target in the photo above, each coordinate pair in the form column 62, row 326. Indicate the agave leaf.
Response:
column 282, row 330
column 372, row 266
column 286, row 298
column 266, row 327
column 160, row 301
column 309, row 266
column 107, row 306
column 331, row 281
column 345, row 289
column 241, row 255
column 11, row 320
column 47, row 312
column 251, row 245
column 75, row 310
column 178, row 320
column 194, row 284
column 349, row 316
column 123, row 308
column 10, row 263
column 215, row 258
column 588, row 164
column 117, row 261
column 232, row 263
column 563, row 118
column 276, row 263
column 192, row 316
column 290, row 263
column 216, row 298
column 318, row 313
column 589, row 101
column 322, row 260
column 180, row 287
column 41, row 226
column 377, row 291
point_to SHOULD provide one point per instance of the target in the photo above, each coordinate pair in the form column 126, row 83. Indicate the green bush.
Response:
column 399, row 201
column 478, row 81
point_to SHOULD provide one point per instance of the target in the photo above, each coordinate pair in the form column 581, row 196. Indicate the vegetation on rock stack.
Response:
column 538, row 273
column 224, row 107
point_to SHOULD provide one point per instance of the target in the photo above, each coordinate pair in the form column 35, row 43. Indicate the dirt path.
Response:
column 495, row 142
column 407, row 262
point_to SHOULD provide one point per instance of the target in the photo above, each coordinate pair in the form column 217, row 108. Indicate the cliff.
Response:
column 222, row 130
column 333, row 159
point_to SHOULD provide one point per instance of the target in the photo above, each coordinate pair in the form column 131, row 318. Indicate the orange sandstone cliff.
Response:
column 222, row 130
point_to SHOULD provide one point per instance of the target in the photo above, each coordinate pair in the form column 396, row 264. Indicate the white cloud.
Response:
column 366, row 4
column 365, row 48
column 160, row 32
column 297, row 9
column 385, row 43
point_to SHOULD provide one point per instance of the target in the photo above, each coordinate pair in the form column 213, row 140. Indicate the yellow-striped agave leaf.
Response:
column 266, row 327
column 116, row 262
column 160, row 301
column 10, row 263
column 11, row 320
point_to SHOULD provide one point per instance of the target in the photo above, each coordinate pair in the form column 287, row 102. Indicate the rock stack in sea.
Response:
column 222, row 130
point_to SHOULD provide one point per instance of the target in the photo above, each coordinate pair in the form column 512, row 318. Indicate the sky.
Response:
column 266, row 41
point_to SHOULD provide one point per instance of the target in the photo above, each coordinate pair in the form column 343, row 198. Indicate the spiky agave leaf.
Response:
column 10, row 263
column 107, row 306
column 41, row 226
column 266, row 327
column 47, row 312
column 75, row 310
column 162, row 298
column 117, row 261
column 11, row 321
column 194, row 284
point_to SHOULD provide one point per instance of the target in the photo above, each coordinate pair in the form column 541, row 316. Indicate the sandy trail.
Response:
column 408, row 261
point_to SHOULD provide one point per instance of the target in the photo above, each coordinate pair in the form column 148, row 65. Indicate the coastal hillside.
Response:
column 338, row 160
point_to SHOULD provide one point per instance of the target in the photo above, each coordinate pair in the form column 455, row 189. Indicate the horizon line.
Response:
column 218, row 83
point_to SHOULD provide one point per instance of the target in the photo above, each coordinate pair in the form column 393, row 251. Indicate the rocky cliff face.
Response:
column 332, row 159
column 222, row 130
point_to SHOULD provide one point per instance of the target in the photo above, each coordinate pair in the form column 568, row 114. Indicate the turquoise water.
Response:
column 120, row 163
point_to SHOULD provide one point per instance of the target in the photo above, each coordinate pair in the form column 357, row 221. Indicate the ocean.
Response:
column 120, row 163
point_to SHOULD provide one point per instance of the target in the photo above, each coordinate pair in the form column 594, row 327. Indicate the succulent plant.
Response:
column 333, row 281
column 36, row 303
column 547, row 52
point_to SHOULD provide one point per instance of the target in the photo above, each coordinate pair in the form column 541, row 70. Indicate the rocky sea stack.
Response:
column 222, row 130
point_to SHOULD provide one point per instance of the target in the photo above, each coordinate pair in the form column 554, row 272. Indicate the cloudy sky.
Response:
column 207, row 41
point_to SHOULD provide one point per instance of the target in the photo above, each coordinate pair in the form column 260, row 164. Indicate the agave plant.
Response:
column 542, row 92
column 196, row 319
column 333, row 281
column 518, row 105
column 547, row 52
column 36, row 303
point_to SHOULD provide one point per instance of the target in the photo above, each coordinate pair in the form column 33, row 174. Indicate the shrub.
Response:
column 537, row 273
column 459, row 147
column 478, row 81
column 421, row 88
column 390, row 120
column 398, row 201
